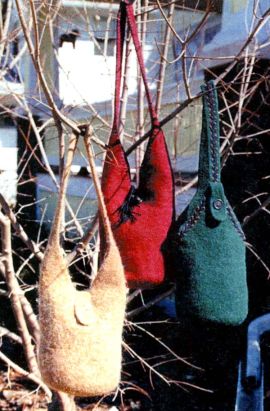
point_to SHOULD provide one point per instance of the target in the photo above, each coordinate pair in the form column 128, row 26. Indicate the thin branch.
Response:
column 15, row 294
column 168, row 22
column 84, row 241
column 164, row 121
column 265, row 266
column 26, row 306
column 5, row 27
column 164, row 55
column 166, row 347
column 158, row 374
column 260, row 24
column 186, row 103
column 31, row 376
column 184, row 71
column 4, row 332
column 57, row 114
column 20, row 232
column 48, row 166
column 151, row 303
column 262, row 207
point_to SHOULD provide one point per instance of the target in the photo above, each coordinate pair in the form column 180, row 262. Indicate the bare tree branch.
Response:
column 14, row 294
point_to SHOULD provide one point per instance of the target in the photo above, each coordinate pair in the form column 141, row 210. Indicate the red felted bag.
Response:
column 140, row 217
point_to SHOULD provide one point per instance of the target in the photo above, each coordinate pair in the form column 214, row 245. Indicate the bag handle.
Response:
column 126, row 14
column 209, row 178
column 101, row 203
column 55, row 233
column 209, row 159
column 134, row 33
column 120, row 37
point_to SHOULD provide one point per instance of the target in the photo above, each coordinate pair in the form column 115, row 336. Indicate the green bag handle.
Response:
column 209, row 160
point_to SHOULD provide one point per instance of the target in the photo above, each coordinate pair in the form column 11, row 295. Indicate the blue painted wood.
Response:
column 250, row 387
column 249, row 399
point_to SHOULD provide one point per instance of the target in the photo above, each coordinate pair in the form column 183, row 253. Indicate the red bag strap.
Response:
column 126, row 12
column 120, row 37
column 134, row 33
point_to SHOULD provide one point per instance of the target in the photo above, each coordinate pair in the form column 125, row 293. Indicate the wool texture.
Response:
column 140, row 217
column 209, row 248
column 81, row 331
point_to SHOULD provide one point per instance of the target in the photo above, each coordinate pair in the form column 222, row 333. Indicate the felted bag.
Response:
column 141, row 216
column 209, row 242
column 81, row 331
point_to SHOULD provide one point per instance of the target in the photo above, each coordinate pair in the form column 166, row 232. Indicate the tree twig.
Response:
column 4, row 332
column 163, row 57
column 14, row 291
column 151, row 303
column 19, row 230
column 30, row 375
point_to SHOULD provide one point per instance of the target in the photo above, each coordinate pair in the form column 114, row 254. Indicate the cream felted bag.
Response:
column 81, row 331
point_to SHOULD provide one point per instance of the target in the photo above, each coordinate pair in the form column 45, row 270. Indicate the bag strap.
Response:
column 120, row 37
column 134, row 33
column 209, row 162
column 126, row 13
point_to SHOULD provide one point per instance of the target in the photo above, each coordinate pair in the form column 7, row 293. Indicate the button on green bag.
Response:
column 210, row 251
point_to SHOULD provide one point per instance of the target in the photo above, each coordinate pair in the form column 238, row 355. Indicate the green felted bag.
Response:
column 210, row 249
